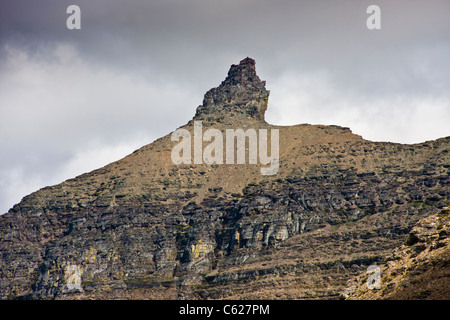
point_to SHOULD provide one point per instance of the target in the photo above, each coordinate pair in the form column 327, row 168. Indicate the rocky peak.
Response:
column 241, row 94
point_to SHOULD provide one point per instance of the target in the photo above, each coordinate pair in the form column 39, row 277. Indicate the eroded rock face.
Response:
column 145, row 228
column 242, row 94
column 418, row 269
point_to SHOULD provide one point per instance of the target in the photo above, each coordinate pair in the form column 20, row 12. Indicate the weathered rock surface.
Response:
column 146, row 228
column 241, row 94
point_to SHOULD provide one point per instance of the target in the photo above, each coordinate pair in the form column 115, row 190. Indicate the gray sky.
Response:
column 74, row 100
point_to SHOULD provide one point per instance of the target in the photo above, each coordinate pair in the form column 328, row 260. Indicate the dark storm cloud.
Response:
column 185, row 39
column 73, row 100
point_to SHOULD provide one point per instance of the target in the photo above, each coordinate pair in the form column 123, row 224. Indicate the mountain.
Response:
column 295, row 212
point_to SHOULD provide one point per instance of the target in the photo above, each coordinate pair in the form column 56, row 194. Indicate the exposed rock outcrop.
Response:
column 419, row 269
column 241, row 94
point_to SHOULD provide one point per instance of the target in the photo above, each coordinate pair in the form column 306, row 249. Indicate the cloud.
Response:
column 60, row 117
column 316, row 98
column 18, row 180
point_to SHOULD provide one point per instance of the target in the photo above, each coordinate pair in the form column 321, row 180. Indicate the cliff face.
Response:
column 146, row 228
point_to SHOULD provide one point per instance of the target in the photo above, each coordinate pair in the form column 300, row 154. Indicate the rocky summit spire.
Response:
column 241, row 94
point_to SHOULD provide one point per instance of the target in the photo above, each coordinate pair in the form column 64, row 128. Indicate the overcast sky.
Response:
column 75, row 100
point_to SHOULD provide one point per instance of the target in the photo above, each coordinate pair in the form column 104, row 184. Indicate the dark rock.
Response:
column 127, row 231
column 242, row 93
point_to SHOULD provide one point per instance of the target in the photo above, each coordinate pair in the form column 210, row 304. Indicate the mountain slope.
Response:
column 419, row 269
